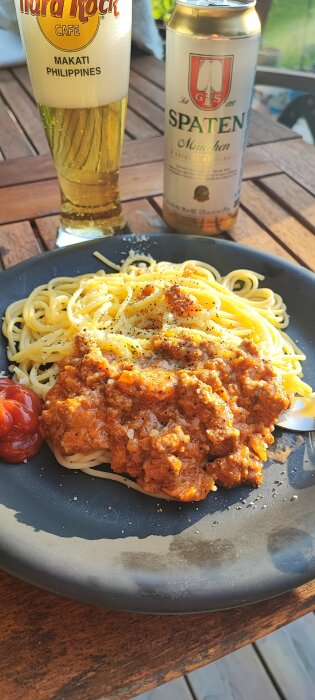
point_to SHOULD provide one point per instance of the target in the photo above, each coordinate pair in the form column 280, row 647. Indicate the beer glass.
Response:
column 78, row 56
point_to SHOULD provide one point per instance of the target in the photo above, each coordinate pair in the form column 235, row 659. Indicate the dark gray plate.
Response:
column 99, row 542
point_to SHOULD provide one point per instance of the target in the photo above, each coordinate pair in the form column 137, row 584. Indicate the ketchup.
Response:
column 20, row 409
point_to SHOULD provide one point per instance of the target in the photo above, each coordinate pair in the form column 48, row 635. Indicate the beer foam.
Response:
column 95, row 75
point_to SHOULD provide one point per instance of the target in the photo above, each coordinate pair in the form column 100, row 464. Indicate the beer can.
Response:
column 211, row 54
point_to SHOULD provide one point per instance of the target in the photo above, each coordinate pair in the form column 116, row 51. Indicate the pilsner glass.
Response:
column 78, row 56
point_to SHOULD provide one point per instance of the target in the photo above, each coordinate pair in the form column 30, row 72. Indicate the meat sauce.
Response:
column 182, row 420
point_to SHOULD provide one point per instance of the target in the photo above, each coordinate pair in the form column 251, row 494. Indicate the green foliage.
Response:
column 290, row 28
column 161, row 9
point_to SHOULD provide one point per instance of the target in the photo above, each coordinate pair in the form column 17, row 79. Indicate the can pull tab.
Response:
column 232, row 4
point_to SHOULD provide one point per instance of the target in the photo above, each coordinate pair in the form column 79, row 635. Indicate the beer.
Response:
column 86, row 147
column 78, row 54
column 211, row 54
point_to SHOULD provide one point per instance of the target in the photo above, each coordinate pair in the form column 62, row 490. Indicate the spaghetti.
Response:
column 129, row 316
column 122, row 314
column 120, row 317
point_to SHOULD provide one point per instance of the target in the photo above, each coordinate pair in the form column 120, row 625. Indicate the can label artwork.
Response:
column 209, row 80
column 209, row 91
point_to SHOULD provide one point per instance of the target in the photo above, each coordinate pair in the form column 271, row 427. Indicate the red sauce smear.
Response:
column 20, row 409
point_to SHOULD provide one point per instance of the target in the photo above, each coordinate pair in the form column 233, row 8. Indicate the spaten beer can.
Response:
column 211, row 54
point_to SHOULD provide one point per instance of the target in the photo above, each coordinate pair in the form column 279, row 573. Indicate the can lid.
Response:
column 228, row 4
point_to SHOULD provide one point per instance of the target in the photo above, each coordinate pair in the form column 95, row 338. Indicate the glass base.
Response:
column 66, row 235
column 70, row 237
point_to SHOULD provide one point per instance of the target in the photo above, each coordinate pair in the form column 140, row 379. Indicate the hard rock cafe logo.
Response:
column 69, row 25
column 210, row 80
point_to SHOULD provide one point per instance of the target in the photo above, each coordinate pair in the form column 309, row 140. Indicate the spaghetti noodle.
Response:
column 120, row 318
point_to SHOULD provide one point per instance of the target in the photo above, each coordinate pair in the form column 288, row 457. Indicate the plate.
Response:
column 101, row 543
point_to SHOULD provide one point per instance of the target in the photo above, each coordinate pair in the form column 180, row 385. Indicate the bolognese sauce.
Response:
column 184, row 418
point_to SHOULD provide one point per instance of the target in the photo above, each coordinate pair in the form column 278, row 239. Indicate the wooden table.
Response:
column 51, row 647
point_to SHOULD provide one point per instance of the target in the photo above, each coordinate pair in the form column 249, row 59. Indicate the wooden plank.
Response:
column 143, row 151
column 263, row 129
column 29, row 201
column 289, row 654
column 47, row 229
column 289, row 194
column 291, row 79
column 238, row 676
column 247, row 232
column 33, row 169
column 18, row 171
column 26, row 114
column 158, row 203
column 284, row 227
column 13, row 142
column 145, row 180
column 148, row 89
column 175, row 690
column 22, row 170
column 57, row 648
column 5, row 76
column 150, row 68
column 32, row 200
column 143, row 218
column 138, row 128
column 257, row 166
column 146, row 110
column 17, row 243
column 22, row 75
column 296, row 159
